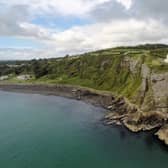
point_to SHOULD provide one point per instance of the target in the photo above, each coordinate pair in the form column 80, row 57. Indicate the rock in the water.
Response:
column 163, row 134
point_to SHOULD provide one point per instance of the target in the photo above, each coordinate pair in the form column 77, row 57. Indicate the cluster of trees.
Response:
column 38, row 68
column 5, row 70
column 146, row 47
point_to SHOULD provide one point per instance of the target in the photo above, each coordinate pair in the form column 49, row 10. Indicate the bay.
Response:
column 38, row 131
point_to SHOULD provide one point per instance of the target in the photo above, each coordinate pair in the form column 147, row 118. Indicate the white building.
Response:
column 24, row 77
column 166, row 60
column 4, row 77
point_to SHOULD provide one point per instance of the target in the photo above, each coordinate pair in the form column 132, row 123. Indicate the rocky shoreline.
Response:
column 120, row 110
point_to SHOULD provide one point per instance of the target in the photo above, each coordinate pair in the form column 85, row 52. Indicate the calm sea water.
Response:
column 39, row 131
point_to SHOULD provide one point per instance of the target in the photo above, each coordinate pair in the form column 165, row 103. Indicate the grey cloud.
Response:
column 140, row 9
column 16, row 21
column 155, row 9
column 109, row 11
column 10, row 19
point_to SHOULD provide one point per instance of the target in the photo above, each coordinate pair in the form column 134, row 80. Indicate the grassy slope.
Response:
column 104, row 70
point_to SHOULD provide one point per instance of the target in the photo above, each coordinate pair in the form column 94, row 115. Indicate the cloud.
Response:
column 111, row 23
column 137, row 9
column 104, row 35
column 110, row 11
column 64, row 7
column 150, row 9
column 15, row 21
column 26, row 54
column 126, row 3
column 16, row 17
column 9, row 19
column 78, row 8
column 96, row 36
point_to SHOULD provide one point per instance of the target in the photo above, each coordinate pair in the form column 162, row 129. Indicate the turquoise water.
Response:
column 39, row 131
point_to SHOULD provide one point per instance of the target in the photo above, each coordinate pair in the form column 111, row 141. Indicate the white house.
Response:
column 166, row 60
column 24, row 77
column 4, row 77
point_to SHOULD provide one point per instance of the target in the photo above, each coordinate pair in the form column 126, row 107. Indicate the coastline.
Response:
column 120, row 110
column 94, row 97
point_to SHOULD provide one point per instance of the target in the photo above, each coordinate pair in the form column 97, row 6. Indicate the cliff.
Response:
column 151, row 97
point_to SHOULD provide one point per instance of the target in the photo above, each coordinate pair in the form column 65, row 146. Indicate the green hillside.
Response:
column 117, row 70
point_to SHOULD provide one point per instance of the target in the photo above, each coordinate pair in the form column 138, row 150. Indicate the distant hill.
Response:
column 147, row 46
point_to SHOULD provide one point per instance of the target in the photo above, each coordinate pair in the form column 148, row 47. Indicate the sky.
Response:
column 52, row 28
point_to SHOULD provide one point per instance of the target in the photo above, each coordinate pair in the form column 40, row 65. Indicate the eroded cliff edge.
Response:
column 152, row 105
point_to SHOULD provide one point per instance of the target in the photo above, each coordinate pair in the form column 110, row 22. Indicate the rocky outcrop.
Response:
column 163, row 134
column 136, row 120
column 159, row 84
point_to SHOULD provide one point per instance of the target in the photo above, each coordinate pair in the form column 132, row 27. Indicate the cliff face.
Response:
column 159, row 84
column 154, row 90
column 151, row 99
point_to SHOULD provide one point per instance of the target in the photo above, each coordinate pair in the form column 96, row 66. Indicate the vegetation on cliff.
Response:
column 117, row 70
